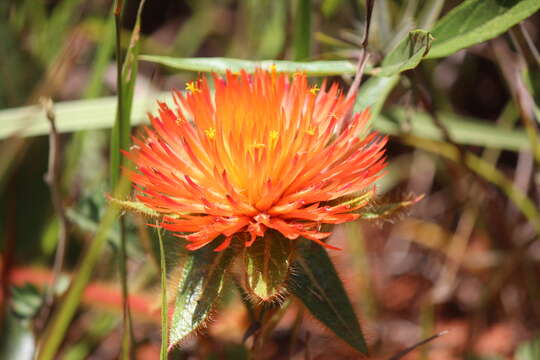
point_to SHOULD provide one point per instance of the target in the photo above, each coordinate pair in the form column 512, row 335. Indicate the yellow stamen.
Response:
column 211, row 133
column 314, row 89
column 273, row 138
column 192, row 87
column 311, row 130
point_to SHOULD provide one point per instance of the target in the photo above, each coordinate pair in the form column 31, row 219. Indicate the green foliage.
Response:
column 126, row 86
column 198, row 291
column 221, row 65
column 27, row 301
column 529, row 350
column 316, row 284
column 268, row 263
column 407, row 54
column 475, row 21
column 302, row 30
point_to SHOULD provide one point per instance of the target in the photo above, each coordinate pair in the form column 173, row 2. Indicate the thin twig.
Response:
column 52, row 178
column 530, row 43
column 363, row 57
column 400, row 354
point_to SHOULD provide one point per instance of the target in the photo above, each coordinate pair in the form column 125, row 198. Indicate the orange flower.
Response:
column 261, row 152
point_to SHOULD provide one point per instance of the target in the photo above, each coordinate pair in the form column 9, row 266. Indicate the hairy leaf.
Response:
column 316, row 283
column 198, row 291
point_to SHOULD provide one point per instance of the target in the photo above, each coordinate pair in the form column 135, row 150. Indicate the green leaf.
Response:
column 273, row 36
column 529, row 350
column 302, row 30
column 268, row 263
column 464, row 130
column 315, row 282
column 407, row 54
column 474, row 21
column 126, row 86
column 220, row 65
column 198, row 291
column 373, row 94
column 26, row 301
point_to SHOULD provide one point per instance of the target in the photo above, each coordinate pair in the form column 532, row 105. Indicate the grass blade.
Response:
column 302, row 30
column 56, row 330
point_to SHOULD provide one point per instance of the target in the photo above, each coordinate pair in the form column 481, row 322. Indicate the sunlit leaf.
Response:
column 315, row 282
column 198, row 291
column 474, row 21
column 221, row 65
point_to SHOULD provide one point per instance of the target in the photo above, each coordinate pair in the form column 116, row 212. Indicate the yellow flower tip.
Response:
column 273, row 68
column 314, row 89
column 274, row 134
column 192, row 87
column 211, row 133
column 311, row 131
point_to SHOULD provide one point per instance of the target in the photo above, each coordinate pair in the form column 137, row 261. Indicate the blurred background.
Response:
column 466, row 258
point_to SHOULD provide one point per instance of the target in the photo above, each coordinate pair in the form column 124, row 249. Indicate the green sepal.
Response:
column 386, row 208
column 267, row 265
column 139, row 208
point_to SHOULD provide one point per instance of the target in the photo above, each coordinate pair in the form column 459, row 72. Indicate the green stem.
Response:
column 164, row 302
column 54, row 333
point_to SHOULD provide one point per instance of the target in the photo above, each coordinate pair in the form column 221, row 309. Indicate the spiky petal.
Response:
column 260, row 152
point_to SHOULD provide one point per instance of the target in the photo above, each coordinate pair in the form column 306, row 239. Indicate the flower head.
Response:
column 260, row 152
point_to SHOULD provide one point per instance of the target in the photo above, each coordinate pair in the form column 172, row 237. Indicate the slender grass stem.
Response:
column 164, row 302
